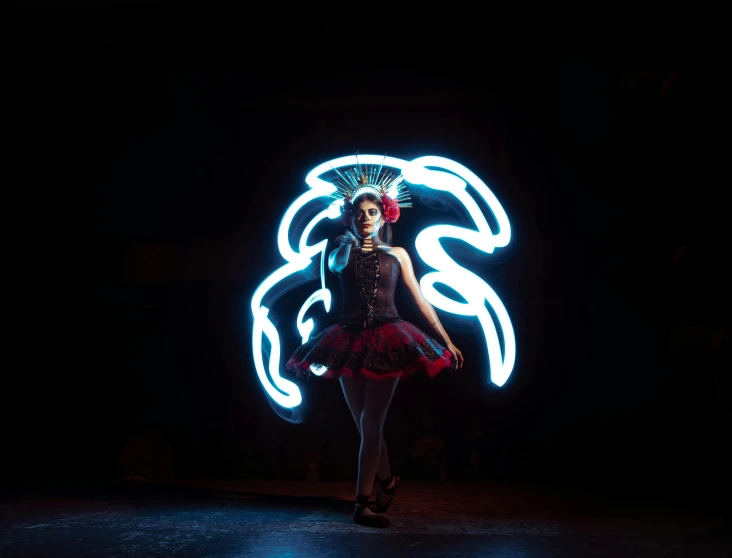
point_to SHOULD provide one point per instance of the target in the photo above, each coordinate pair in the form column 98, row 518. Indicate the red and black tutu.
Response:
column 395, row 349
column 371, row 338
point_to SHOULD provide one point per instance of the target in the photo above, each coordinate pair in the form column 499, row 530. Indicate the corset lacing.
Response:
column 367, row 276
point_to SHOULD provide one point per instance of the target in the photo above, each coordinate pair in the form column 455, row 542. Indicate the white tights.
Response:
column 369, row 401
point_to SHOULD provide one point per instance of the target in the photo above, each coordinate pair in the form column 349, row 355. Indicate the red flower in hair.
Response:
column 391, row 209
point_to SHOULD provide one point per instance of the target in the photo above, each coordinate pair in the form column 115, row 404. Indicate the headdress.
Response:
column 363, row 179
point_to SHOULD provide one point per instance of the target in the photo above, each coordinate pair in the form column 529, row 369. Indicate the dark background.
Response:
column 153, row 151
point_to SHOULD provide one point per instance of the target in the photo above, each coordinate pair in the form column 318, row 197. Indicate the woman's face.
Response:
column 366, row 219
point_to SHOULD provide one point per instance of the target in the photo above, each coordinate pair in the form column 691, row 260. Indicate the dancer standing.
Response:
column 372, row 347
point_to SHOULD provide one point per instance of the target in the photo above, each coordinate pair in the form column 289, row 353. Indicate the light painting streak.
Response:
column 472, row 288
column 282, row 391
column 436, row 173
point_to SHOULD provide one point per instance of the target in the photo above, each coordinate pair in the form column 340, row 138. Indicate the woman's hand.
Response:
column 338, row 258
column 457, row 356
column 347, row 238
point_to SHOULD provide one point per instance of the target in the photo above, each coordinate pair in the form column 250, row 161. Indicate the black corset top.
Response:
column 368, row 283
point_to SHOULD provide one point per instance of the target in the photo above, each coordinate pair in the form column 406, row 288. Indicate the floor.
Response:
column 301, row 519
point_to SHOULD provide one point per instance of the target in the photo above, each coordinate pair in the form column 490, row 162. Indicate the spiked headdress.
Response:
column 383, row 184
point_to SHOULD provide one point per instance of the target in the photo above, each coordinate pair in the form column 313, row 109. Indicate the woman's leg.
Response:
column 377, row 397
column 354, row 390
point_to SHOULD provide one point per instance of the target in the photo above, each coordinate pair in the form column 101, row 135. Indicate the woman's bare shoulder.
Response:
column 398, row 252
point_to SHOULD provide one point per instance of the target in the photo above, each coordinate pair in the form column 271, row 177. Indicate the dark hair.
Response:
column 347, row 214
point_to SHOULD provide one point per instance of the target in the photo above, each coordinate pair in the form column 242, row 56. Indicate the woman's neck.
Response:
column 371, row 243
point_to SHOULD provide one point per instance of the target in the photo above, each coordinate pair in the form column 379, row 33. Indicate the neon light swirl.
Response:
column 473, row 289
column 426, row 171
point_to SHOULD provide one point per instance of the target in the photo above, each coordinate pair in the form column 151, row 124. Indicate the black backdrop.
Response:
column 154, row 153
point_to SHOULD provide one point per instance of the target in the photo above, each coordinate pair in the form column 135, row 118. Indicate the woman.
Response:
column 372, row 347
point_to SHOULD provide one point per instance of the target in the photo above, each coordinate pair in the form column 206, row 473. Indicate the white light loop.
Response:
column 436, row 173
column 471, row 287
column 284, row 392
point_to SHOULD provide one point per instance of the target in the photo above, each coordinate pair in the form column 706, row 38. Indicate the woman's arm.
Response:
column 423, row 304
column 338, row 258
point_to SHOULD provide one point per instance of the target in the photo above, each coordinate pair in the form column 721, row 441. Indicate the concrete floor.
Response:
column 301, row 519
